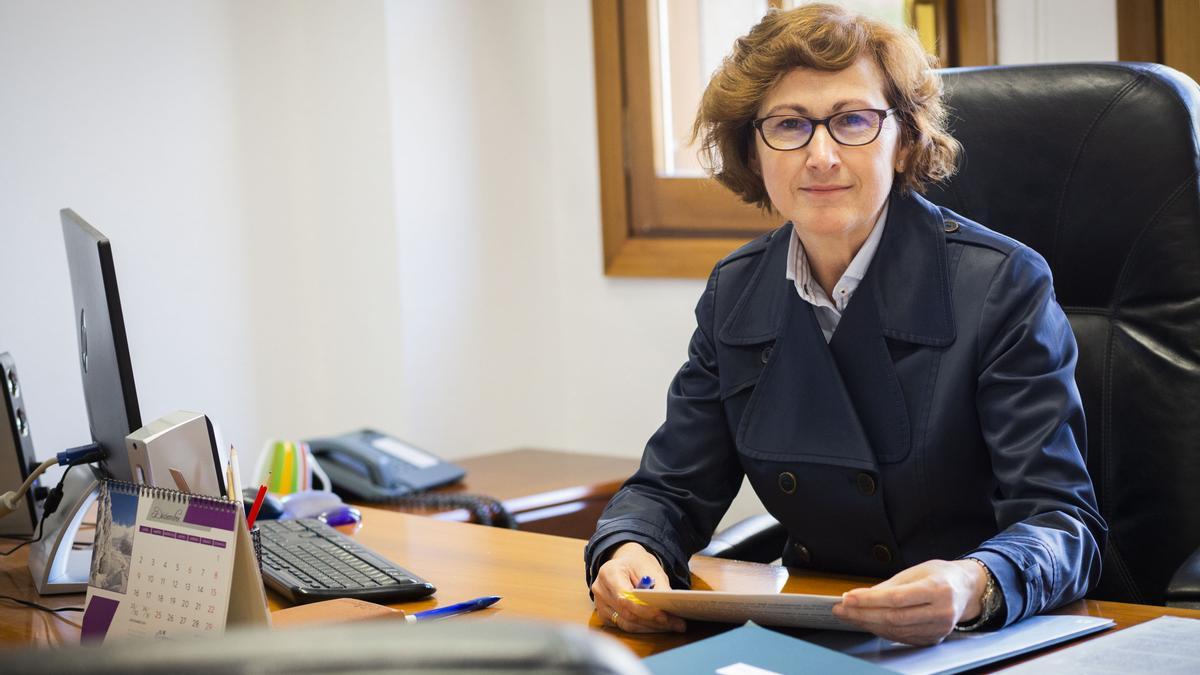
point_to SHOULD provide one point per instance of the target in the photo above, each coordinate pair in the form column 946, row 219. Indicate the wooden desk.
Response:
column 539, row 576
column 560, row 493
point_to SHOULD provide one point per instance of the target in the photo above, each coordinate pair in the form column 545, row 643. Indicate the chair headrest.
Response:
column 1094, row 165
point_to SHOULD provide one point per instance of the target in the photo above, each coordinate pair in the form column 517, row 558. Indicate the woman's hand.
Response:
column 920, row 605
column 628, row 564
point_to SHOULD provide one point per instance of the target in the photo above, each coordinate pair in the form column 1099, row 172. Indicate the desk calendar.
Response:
column 169, row 564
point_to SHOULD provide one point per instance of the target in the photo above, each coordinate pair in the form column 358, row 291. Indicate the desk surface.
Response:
column 539, row 576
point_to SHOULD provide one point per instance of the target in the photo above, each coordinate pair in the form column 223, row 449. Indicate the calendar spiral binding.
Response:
column 168, row 494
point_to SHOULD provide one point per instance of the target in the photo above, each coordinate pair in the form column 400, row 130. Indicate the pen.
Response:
column 258, row 501
column 646, row 582
column 453, row 610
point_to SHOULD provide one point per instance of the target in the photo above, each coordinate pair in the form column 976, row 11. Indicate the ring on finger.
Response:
column 613, row 617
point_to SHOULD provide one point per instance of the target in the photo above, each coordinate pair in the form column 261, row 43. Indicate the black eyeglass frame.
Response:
column 824, row 121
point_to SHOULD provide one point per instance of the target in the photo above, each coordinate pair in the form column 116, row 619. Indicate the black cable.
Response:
column 37, row 606
column 485, row 510
column 29, row 540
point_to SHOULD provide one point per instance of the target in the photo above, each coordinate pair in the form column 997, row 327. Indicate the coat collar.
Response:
column 910, row 281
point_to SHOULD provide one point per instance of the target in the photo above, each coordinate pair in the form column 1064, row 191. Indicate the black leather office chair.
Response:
column 1097, row 167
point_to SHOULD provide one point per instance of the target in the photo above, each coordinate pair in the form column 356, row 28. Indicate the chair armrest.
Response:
column 758, row 539
column 1184, row 589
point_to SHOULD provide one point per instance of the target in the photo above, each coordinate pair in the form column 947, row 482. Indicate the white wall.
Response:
column 123, row 112
column 327, row 215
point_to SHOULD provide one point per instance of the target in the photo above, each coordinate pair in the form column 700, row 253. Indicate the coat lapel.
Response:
column 800, row 410
column 869, row 375
column 842, row 403
column 911, row 275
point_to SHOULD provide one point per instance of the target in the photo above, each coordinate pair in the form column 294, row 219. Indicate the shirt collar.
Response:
column 810, row 291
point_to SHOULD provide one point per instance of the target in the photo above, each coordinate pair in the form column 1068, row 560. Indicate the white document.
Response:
column 963, row 651
column 796, row 610
column 1168, row 644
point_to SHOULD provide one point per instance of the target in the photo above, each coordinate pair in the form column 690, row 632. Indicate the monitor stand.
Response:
column 56, row 567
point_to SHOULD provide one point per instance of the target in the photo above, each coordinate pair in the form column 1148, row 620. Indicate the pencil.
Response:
column 235, row 471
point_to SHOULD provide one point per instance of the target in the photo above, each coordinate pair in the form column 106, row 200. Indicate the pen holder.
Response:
column 288, row 466
column 256, row 539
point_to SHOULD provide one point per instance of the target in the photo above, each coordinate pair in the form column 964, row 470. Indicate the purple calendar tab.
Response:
column 210, row 514
column 156, row 530
column 219, row 544
column 98, row 617
column 206, row 541
column 143, row 528
column 193, row 539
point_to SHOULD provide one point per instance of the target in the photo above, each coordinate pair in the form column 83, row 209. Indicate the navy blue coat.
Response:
column 942, row 420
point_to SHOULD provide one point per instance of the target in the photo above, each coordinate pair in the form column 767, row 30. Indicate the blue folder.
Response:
column 755, row 647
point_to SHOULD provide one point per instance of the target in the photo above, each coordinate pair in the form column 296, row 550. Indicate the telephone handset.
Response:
column 374, row 467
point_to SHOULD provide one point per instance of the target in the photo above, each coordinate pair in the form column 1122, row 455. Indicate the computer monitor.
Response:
column 108, row 391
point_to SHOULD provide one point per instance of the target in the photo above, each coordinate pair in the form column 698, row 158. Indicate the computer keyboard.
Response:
column 306, row 560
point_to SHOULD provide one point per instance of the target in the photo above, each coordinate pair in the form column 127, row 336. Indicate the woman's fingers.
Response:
column 918, row 606
column 900, row 616
column 615, row 579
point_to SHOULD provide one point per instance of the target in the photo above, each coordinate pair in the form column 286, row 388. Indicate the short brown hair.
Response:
column 825, row 37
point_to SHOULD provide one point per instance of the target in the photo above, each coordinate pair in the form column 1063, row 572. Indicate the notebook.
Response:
column 170, row 564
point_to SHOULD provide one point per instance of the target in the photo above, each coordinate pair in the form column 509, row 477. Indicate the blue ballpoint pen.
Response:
column 646, row 582
column 452, row 610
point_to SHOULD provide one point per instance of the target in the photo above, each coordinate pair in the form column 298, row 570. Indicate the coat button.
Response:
column 787, row 482
column 803, row 557
column 866, row 484
column 766, row 354
column 951, row 226
column 882, row 553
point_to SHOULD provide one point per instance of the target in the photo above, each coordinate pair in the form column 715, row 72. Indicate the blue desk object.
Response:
column 453, row 610
column 757, row 650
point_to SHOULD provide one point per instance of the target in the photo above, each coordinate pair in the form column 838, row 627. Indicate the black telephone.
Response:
column 374, row 467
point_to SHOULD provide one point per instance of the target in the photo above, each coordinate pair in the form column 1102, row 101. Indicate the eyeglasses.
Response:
column 849, row 127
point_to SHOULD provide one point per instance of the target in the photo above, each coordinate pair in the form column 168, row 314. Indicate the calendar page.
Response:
column 162, row 564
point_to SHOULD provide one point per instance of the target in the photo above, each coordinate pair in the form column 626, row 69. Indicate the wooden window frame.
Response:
column 657, row 226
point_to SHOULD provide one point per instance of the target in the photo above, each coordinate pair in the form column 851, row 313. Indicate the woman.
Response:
column 896, row 381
